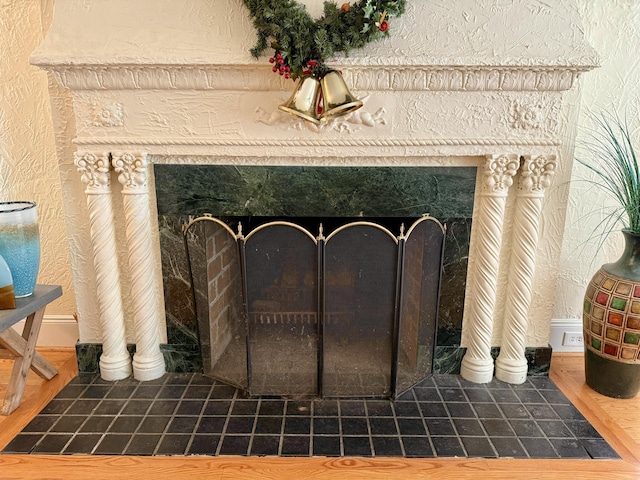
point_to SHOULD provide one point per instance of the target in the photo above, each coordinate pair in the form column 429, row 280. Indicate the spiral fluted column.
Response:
column 148, row 362
column 537, row 171
column 499, row 170
column 115, row 361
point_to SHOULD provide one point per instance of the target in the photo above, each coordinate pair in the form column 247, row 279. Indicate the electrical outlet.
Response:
column 572, row 339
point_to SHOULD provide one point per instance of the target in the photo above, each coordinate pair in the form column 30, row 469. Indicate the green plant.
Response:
column 615, row 166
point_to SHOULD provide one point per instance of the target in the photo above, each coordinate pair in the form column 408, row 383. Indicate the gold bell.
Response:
column 336, row 98
column 303, row 102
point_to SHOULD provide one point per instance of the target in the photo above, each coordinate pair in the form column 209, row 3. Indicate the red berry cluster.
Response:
column 310, row 65
column 279, row 66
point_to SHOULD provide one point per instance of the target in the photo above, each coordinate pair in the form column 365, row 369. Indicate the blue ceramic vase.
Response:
column 20, row 244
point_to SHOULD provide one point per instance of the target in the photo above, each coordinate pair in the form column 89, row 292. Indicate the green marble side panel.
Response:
column 454, row 279
column 178, row 358
column 88, row 356
column 182, row 328
column 447, row 359
column 182, row 358
column 539, row 359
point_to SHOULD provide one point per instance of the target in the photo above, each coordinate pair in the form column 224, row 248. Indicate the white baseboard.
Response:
column 559, row 328
column 56, row 331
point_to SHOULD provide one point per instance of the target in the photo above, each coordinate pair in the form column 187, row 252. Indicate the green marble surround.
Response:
column 446, row 193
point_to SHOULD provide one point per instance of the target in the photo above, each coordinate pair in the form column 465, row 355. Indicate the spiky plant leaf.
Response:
column 614, row 164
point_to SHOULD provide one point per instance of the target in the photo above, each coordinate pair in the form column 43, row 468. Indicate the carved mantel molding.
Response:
column 316, row 142
column 363, row 78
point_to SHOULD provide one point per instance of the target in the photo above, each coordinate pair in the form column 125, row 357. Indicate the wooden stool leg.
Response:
column 15, row 346
column 22, row 364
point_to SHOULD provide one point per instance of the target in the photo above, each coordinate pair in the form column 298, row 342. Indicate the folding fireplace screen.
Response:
column 350, row 312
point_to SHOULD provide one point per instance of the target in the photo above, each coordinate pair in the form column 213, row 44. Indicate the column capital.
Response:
column 537, row 172
column 133, row 171
column 499, row 171
column 94, row 169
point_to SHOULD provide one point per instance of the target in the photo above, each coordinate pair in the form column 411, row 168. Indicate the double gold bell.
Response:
column 331, row 90
column 303, row 102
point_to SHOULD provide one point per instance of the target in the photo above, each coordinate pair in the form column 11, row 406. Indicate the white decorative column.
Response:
column 537, row 171
column 115, row 361
column 499, row 170
column 148, row 362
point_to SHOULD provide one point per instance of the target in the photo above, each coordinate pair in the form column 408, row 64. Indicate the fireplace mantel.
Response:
column 455, row 84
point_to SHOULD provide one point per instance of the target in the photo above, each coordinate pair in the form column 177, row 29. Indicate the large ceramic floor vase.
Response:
column 611, row 322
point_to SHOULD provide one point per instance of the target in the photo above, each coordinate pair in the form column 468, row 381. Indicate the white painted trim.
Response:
column 558, row 327
column 56, row 331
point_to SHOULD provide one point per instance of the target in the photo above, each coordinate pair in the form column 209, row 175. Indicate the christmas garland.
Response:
column 302, row 44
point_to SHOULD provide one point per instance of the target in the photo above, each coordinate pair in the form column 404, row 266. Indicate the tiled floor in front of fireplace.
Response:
column 189, row 414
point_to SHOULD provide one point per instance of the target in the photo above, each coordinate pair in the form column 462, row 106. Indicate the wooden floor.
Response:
column 618, row 421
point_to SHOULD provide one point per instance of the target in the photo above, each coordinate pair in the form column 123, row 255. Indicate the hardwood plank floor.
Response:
column 616, row 420
column 37, row 392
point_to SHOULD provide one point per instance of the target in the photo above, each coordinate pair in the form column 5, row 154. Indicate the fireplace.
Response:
column 498, row 100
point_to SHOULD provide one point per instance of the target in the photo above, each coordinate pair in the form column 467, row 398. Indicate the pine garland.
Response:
column 302, row 44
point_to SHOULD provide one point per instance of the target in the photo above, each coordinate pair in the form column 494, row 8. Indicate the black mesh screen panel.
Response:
column 419, row 307
column 359, row 283
column 281, row 278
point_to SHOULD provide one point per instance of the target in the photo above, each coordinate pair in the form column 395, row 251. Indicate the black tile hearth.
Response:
column 189, row 414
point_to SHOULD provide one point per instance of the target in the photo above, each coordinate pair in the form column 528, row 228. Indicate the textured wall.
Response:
column 613, row 29
column 28, row 164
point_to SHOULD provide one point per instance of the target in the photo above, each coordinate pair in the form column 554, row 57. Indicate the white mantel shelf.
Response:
column 416, row 77
column 456, row 83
